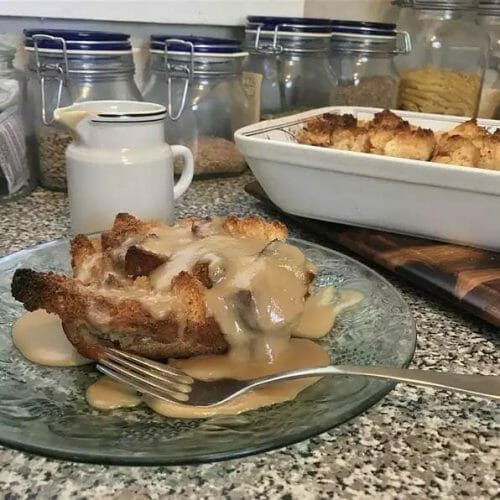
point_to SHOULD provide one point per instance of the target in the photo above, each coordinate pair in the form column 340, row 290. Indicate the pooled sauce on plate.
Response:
column 108, row 394
column 321, row 311
column 295, row 354
column 266, row 356
column 260, row 295
column 39, row 336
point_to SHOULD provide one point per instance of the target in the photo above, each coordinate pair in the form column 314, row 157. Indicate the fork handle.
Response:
column 481, row 385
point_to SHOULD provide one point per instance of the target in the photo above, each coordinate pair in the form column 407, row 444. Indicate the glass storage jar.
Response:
column 199, row 81
column 65, row 67
column 489, row 19
column 405, row 22
column 363, row 59
column 444, row 71
column 292, row 57
column 495, row 103
column 16, row 178
column 405, row 13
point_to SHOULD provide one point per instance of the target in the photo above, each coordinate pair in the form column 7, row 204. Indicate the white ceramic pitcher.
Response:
column 119, row 162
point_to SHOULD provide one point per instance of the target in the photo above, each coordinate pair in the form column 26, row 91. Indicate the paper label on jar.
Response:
column 14, row 171
column 252, row 83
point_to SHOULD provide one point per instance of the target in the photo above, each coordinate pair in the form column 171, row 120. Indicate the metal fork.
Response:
column 172, row 385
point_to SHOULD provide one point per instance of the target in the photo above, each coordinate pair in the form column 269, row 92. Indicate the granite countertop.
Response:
column 416, row 443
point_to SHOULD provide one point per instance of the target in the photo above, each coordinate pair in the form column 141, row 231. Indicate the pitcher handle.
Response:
column 187, row 170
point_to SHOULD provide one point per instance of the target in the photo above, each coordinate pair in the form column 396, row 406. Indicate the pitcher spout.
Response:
column 77, row 120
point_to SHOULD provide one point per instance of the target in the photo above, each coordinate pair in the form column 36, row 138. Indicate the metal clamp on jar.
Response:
column 363, row 58
column 292, row 55
column 444, row 71
column 199, row 81
column 67, row 67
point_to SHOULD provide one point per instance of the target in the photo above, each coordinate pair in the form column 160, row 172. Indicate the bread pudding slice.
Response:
column 155, row 290
column 130, row 317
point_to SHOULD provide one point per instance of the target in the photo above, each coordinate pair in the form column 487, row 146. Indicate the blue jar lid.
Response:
column 363, row 28
column 289, row 24
column 201, row 45
column 78, row 40
column 445, row 4
column 489, row 8
column 369, row 37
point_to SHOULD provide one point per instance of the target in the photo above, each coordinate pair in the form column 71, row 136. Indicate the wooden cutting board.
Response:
column 468, row 277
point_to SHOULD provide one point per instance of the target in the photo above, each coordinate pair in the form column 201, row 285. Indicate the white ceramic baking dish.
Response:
column 456, row 204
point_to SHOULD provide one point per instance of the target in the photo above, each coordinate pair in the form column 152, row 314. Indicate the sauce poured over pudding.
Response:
column 251, row 291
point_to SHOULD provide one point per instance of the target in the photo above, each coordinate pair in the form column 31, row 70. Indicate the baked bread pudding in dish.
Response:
column 387, row 134
column 227, row 294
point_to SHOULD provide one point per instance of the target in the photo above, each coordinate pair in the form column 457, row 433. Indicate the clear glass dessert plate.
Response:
column 43, row 410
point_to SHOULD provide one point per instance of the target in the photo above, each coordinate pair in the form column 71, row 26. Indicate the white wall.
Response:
column 190, row 12
column 142, row 18
column 359, row 10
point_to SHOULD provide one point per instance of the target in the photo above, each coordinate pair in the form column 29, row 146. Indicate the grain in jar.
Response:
column 200, row 82
column 68, row 66
column 51, row 156
column 362, row 56
column 213, row 156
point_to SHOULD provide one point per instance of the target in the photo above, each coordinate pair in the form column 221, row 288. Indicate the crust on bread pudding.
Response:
column 110, row 301
column 470, row 130
column 413, row 144
column 118, row 320
column 140, row 262
column 489, row 156
column 456, row 150
column 318, row 131
column 388, row 120
column 351, row 139
column 255, row 227
column 467, row 144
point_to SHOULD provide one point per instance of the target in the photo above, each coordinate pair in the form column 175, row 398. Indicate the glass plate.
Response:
column 43, row 410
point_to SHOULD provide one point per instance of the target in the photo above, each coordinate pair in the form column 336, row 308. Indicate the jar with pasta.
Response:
column 445, row 69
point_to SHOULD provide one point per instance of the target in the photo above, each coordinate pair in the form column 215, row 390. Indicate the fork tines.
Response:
column 146, row 376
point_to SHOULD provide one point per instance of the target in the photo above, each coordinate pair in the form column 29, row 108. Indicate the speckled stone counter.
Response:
column 416, row 443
